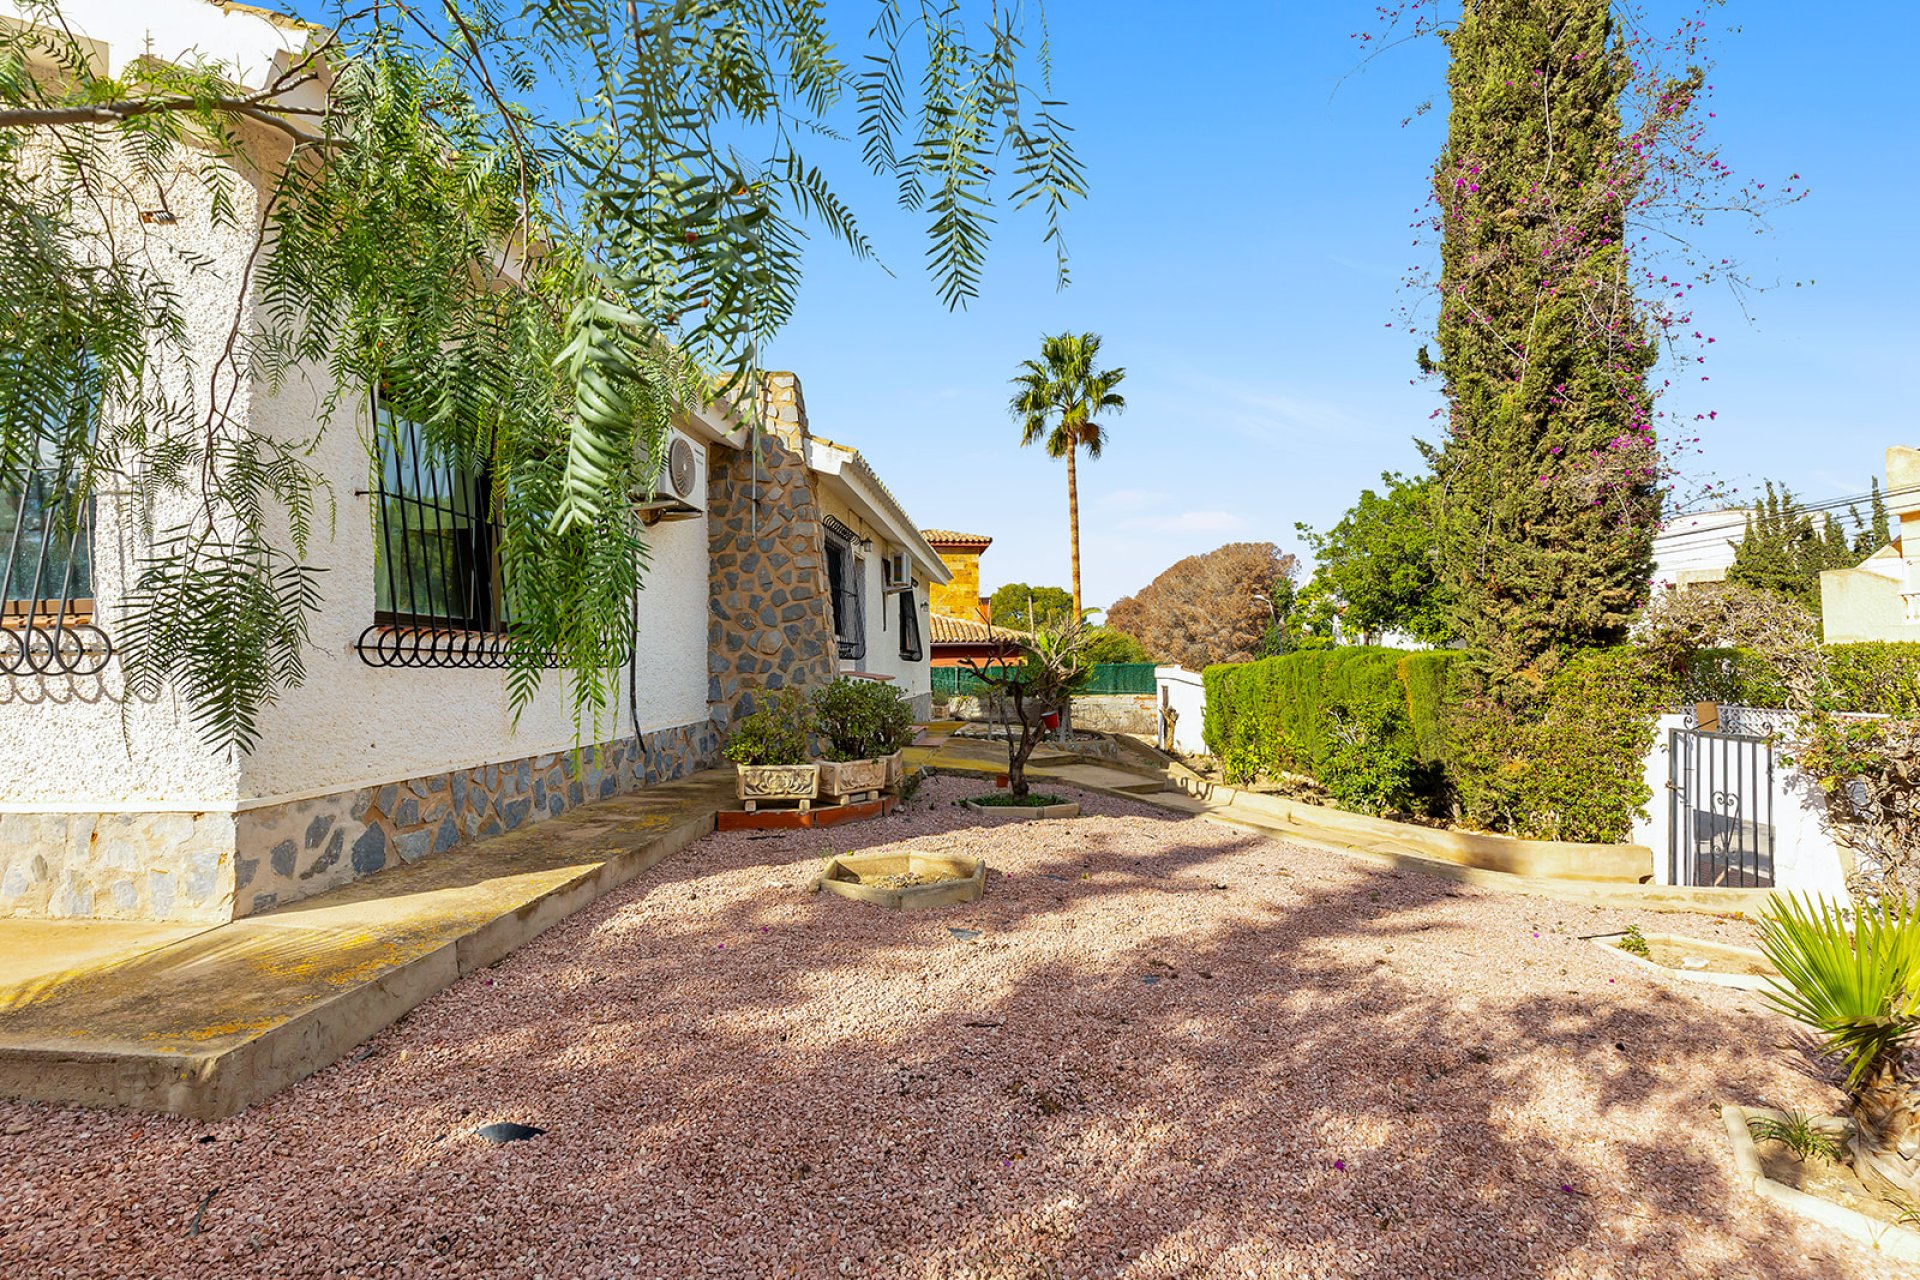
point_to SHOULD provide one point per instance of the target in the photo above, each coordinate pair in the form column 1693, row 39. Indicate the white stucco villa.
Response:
column 400, row 743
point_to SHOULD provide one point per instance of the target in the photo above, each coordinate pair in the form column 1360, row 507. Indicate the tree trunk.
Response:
column 1018, row 749
column 1886, row 1116
column 1073, row 525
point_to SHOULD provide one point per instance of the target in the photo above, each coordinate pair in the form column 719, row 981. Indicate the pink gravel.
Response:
column 1174, row 1049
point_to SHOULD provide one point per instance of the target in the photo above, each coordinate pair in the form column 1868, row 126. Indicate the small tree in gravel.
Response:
column 1053, row 666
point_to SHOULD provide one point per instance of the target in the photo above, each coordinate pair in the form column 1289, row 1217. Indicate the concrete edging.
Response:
column 1025, row 813
column 1738, row 981
column 1889, row 1238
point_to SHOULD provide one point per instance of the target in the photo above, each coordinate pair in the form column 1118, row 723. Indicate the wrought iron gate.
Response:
column 1720, row 797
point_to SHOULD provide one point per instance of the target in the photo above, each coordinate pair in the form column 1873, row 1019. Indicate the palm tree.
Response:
column 1059, row 398
column 1859, row 989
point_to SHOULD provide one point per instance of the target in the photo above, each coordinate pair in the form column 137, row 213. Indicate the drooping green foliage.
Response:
column 545, row 229
column 1547, row 473
column 1784, row 546
column 1377, row 569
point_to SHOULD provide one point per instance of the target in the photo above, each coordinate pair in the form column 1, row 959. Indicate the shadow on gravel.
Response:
column 1166, row 1049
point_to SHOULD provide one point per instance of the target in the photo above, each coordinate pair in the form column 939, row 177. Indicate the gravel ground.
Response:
column 1167, row 1048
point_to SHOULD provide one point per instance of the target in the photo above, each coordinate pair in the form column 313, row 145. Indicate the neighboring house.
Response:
column 1879, row 599
column 401, row 742
column 962, row 624
column 1693, row 550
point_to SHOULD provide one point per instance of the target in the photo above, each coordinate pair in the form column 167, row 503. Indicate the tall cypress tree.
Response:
column 1547, row 474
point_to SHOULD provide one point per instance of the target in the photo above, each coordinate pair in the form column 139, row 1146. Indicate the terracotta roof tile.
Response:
column 945, row 537
column 946, row 630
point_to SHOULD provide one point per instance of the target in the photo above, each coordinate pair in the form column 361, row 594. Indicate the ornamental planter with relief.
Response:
column 759, row 783
column 852, row 777
column 896, row 770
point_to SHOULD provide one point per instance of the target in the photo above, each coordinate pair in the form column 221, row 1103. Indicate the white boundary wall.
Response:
column 1179, row 689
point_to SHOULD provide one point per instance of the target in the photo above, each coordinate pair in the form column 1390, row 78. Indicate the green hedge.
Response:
column 1571, row 769
column 1869, row 675
column 1274, row 714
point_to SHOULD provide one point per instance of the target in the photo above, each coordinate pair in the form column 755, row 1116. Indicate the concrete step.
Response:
column 207, row 1023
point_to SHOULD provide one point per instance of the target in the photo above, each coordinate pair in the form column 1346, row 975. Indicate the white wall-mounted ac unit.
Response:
column 896, row 572
column 681, row 490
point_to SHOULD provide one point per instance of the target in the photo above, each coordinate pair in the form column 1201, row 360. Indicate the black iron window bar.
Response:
column 437, row 580
column 843, row 581
column 46, row 582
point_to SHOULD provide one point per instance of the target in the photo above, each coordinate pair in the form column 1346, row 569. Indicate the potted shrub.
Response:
column 769, row 750
column 863, row 726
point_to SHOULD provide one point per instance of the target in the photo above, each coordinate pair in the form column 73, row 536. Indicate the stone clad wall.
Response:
column 172, row 867
column 959, row 598
column 769, row 620
column 213, row 867
column 289, row 851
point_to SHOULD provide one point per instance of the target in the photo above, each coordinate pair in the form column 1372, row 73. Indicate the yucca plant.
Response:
column 1860, row 990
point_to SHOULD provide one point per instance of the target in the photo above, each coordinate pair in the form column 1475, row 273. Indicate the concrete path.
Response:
column 202, row 1021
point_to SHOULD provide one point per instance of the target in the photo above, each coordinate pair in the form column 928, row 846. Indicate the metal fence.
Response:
column 1720, row 788
column 1108, row 677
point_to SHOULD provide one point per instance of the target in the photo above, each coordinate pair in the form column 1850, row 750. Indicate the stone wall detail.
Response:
column 166, row 867
column 213, row 867
column 770, row 616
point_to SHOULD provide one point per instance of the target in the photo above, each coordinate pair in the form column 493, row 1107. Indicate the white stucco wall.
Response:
column 1180, row 689
column 913, row 679
column 352, row 724
column 79, row 743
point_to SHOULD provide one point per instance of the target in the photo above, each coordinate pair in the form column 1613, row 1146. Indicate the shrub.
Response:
column 775, row 734
column 861, row 719
column 1574, row 769
column 1370, row 767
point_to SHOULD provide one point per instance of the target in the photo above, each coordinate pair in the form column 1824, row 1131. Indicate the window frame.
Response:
column 910, row 626
column 470, row 586
column 845, row 572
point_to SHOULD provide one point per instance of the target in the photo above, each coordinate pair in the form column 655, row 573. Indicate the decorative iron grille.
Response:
column 1720, row 815
column 438, row 598
column 46, row 580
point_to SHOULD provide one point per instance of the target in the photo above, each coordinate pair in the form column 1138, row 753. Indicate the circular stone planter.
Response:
column 1720, row 964
column 1026, row 813
column 1823, row 1188
column 951, row 879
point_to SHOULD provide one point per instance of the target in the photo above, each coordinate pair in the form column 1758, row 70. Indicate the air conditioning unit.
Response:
column 681, row 490
column 896, row 573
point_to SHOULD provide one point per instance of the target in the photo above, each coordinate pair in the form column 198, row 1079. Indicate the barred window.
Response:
column 47, row 570
column 910, row 647
column 436, row 549
column 843, row 580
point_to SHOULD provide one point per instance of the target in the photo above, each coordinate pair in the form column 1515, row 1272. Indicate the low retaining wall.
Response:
column 1544, row 859
column 1116, row 713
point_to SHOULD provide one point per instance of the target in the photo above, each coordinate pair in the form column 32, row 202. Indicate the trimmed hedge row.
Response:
column 1384, row 729
column 1275, row 714
column 1868, row 675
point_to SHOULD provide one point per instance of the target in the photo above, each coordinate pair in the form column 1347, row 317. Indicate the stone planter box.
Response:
column 845, row 778
column 759, row 783
column 896, row 769
column 955, row 879
column 1026, row 813
column 1891, row 1239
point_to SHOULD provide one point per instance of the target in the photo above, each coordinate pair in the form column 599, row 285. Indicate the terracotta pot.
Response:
column 1001, row 780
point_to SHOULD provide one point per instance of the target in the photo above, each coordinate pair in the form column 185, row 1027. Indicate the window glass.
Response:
column 434, row 549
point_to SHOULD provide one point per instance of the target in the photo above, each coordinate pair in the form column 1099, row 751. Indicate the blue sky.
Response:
column 1241, row 254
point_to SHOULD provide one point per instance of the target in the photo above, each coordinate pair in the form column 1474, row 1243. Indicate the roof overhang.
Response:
column 853, row 480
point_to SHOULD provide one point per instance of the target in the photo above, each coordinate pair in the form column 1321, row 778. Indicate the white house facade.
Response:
column 401, row 742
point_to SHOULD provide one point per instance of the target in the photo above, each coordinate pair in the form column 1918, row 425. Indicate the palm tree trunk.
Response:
column 1073, row 525
column 1886, row 1116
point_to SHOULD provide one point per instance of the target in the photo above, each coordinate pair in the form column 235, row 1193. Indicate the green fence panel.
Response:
column 1121, row 677
column 1108, row 677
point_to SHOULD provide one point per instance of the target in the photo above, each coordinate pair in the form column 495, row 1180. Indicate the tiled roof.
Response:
column 946, row 630
column 939, row 537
